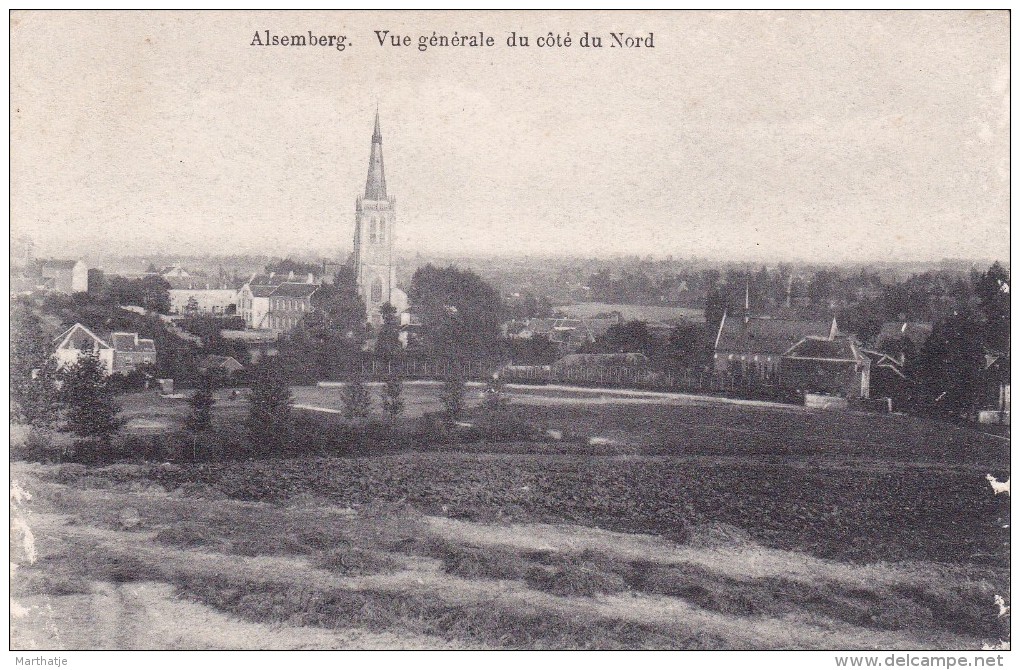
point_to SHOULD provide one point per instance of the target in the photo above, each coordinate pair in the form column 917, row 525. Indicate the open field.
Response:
column 687, row 523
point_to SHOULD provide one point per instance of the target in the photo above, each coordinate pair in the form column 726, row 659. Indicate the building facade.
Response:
column 118, row 353
column 831, row 365
column 289, row 304
column 206, row 296
column 754, row 346
column 375, row 223
column 65, row 276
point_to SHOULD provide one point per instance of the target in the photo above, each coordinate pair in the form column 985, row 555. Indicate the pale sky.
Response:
column 740, row 135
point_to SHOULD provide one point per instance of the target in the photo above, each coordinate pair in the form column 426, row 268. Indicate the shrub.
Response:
column 432, row 431
column 37, row 447
column 507, row 425
column 452, row 397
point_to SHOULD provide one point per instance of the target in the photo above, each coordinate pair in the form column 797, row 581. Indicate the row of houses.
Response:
column 812, row 355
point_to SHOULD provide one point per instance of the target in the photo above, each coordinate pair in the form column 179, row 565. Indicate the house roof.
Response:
column 271, row 279
column 836, row 349
column 58, row 264
column 222, row 362
column 261, row 291
column 915, row 331
column 196, row 284
column 883, row 360
column 294, row 290
column 131, row 342
column 79, row 337
column 767, row 336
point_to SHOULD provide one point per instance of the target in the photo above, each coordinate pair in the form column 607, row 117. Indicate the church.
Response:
column 374, row 231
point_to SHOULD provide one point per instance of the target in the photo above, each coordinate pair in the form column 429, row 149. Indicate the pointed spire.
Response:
column 375, row 185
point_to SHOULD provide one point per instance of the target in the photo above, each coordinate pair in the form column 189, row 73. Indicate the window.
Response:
column 382, row 229
column 372, row 235
column 376, row 290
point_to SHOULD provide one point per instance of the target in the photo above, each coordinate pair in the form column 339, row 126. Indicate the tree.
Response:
column 356, row 399
column 201, row 403
column 192, row 307
column 992, row 290
column 155, row 293
column 269, row 418
column 461, row 314
column 627, row 337
column 337, row 326
column 393, row 403
column 387, row 344
column 949, row 366
column 288, row 265
column 199, row 421
column 688, row 346
column 91, row 410
column 33, row 372
column 452, row 396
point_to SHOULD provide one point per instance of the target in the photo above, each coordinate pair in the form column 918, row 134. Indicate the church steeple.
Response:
column 375, row 185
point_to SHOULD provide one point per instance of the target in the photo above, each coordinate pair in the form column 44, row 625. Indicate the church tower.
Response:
column 375, row 218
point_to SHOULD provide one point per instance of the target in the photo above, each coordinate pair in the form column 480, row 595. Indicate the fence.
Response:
column 426, row 369
column 690, row 380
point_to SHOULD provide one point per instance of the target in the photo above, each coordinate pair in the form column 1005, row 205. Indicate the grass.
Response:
column 384, row 538
column 717, row 478
column 834, row 510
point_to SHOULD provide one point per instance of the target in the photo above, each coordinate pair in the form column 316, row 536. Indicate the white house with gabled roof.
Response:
column 119, row 353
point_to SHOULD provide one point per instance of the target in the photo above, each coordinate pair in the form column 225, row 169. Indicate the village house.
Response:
column 288, row 305
column 754, row 346
column 830, row 365
column 255, row 300
column 119, row 353
column 888, row 377
column 64, row 276
column 224, row 366
column 201, row 295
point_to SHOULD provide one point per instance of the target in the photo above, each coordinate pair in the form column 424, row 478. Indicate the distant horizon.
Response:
column 307, row 256
column 743, row 137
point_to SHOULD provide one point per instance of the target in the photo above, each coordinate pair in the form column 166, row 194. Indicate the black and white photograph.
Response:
column 510, row 330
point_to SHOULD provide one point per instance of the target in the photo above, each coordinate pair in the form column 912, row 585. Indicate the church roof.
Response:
column 759, row 335
column 840, row 348
column 375, row 185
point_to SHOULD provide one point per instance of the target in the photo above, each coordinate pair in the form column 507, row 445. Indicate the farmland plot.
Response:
column 687, row 525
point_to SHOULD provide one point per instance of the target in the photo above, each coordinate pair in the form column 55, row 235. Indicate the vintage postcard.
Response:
column 511, row 330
